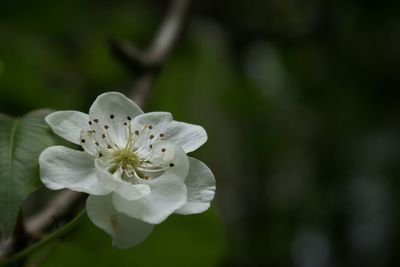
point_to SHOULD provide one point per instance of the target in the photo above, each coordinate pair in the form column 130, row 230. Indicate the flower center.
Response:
column 124, row 159
column 128, row 153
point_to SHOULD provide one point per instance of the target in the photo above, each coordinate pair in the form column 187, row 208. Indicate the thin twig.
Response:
column 25, row 232
column 59, row 207
column 55, row 235
column 18, row 240
column 149, row 64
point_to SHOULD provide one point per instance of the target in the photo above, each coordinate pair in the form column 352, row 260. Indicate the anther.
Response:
column 112, row 116
column 151, row 136
column 96, row 143
column 129, row 118
column 100, row 154
column 151, row 146
column 161, row 135
column 163, row 149
column 137, row 132
column 171, row 165
column 109, row 146
column 106, row 127
column 96, row 120
column 83, row 140
column 90, row 123
column 150, row 127
column 103, row 136
column 125, row 123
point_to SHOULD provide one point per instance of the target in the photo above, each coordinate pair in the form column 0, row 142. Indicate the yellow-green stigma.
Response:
column 124, row 159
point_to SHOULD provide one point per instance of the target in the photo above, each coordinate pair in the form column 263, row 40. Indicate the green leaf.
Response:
column 21, row 142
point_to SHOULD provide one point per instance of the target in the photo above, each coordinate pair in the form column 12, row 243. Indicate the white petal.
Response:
column 188, row 136
column 62, row 167
column 68, row 124
column 88, row 142
column 116, row 184
column 168, row 193
column 200, row 184
column 111, row 110
column 169, row 153
column 125, row 231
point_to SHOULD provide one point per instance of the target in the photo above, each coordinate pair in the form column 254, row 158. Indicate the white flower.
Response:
column 133, row 165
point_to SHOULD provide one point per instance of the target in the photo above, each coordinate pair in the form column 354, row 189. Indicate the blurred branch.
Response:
column 26, row 232
column 21, row 255
column 18, row 239
column 58, row 208
column 147, row 65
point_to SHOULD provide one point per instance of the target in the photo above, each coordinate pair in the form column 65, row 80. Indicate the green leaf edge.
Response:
column 8, row 227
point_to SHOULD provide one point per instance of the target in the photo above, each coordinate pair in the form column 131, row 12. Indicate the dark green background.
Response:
column 300, row 100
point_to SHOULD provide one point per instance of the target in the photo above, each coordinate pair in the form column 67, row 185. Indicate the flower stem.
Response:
column 17, row 258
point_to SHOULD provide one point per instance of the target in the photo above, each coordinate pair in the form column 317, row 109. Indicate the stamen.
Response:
column 96, row 120
column 161, row 135
column 147, row 168
column 171, row 165
column 137, row 132
column 100, row 154
column 112, row 116
column 125, row 123
column 129, row 118
column 90, row 123
column 163, row 149
column 106, row 127
column 103, row 136
column 83, row 140
column 109, row 146
column 151, row 136
column 150, row 127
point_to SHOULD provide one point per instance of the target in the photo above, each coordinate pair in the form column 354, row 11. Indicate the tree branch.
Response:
column 147, row 65
column 18, row 240
column 59, row 207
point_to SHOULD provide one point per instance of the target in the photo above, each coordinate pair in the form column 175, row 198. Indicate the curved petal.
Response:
column 171, row 156
column 62, row 167
column 116, row 184
column 125, row 231
column 168, row 193
column 68, row 124
column 109, row 112
column 200, row 184
column 188, row 136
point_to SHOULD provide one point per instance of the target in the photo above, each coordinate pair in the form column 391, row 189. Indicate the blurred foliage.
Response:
column 300, row 100
column 189, row 240
column 1, row 68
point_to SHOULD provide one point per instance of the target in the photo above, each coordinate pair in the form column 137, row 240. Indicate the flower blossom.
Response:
column 133, row 166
